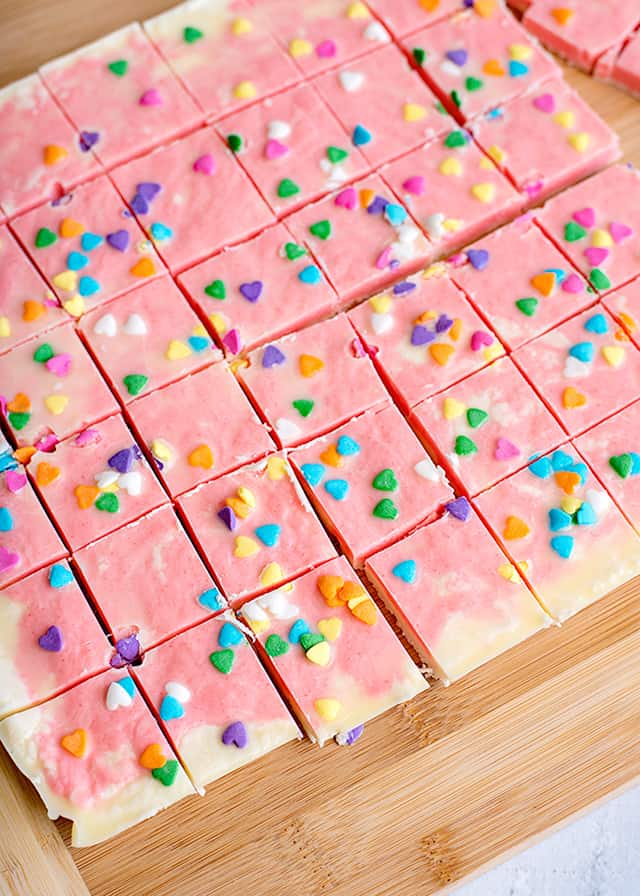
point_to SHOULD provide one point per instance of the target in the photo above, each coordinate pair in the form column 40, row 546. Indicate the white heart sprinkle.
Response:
column 287, row 429
column 106, row 479
column 428, row 470
column 375, row 31
column 106, row 326
column 433, row 223
column 254, row 612
column 135, row 325
column 278, row 606
column 599, row 500
column 575, row 369
column 131, row 483
column 351, row 81
column 117, row 697
column 381, row 323
column 178, row 691
column 278, row 130
column 450, row 68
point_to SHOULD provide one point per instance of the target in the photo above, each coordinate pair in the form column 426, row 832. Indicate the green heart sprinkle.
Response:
column 287, row 188
column 622, row 464
column 108, row 501
column 419, row 55
column 18, row 419
column 234, row 142
column 574, row 232
column 336, row 155
column 167, row 773
column 276, row 646
column 303, row 406
column 599, row 279
column 473, row 84
column 321, row 229
column 191, row 34
column 385, row 481
column 464, row 446
column 119, row 67
column 44, row 238
column 476, row 417
column 527, row 306
column 135, row 382
column 385, row 509
column 455, row 139
column 310, row 639
column 216, row 289
column 294, row 251
column 43, row 353
column 222, row 660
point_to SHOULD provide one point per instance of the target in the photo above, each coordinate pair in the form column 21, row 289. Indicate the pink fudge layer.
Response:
column 121, row 95
column 96, row 482
column 547, row 140
column 453, row 191
column 213, row 428
column 371, row 481
column 259, row 290
column 192, row 198
column 624, row 305
column 96, row 756
column 332, row 652
column 423, row 336
column 404, row 16
column 255, row 528
column 519, row 281
column 51, row 387
column 147, row 581
column 476, row 63
column 584, row 370
column 42, row 156
column 580, row 31
column 214, row 700
column 560, row 526
column 626, row 72
column 49, row 638
column 596, row 224
column 147, row 338
column 456, row 621
column 27, row 305
column 486, row 427
column 293, row 148
column 307, row 383
column 222, row 52
column 363, row 239
column 383, row 104
column 88, row 246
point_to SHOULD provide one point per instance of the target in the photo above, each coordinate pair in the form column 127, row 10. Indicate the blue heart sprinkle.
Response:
column 635, row 463
column 76, row 261
column 210, row 599
column 559, row 274
column 90, row 241
column 597, row 324
column 298, row 629
column 586, row 515
column 517, row 69
column 170, row 708
column 160, row 231
column 7, row 462
column 229, row 636
column 558, row 519
column 310, row 275
column 541, row 467
column 347, row 446
column 560, row 460
column 395, row 214
column 127, row 685
column 88, row 286
column 361, row 136
column 562, row 545
column 583, row 351
column 6, row 520
column 268, row 534
column 337, row 488
column 59, row 576
column 406, row 570
column 199, row 343
column 313, row 473
column 582, row 470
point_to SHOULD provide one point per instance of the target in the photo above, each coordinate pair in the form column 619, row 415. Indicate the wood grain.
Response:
column 434, row 791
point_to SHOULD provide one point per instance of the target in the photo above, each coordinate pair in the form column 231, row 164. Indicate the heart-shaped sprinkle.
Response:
column 210, row 599
column 88, row 139
column 8, row 559
column 170, row 708
column 228, row 517
column 361, row 136
column 406, row 570
column 106, row 325
column 274, row 149
column 59, row 365
column 414, row 185
column 385, row 510
column 346, row 198
column 572, row 284
column 120, row 694
column 505, row 449
column 151, row 97
column 119, row 240
column 385, row 481
column 527, row 306
column 222, row 660
column 347, row 447
column 619, row 231
column 232, row 341
column 272, row 356
column 75, row 743
column 235, row 735
column 269, row 534
column 459, row 57
column 205, row 164
column 595, row 256
column 245, row 547
column 122, row 461
column 60, row 576
column 52, row 640
column 167, row 774
column 478, row 258
column 152, row 757
column 586, row 217
column 351, row 80
column 251, row 291
column 515, row 528
column 480, row 339
column 459, row 508
column 545, row 103
column 230, row 636
column 337, row 488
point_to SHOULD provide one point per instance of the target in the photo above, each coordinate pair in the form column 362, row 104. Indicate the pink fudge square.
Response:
column 307, row 383
column 584, row 370
column 547, row 140
column 423, row 336
column 361, row 671
column 371, row 481
column 293, row 148
column 255, row 528
column 222, row 52
column 121, row 95
column 147, row 580
column 218, row 720
column 88, row 246
column 49, row 638
column 519, row 281
column 555, row 520
column 389, row 243
column 456, row 621
column 486, row 427
column 42, row 156
column 52, row 387
column 454, row 192
column 67, row 748
column 150, row 333
column 28, row 539
column 27, row 305
column 198, row 428
column 259, row 290
column 383, row 104
column 596, row 224
column 404, row 16
column 201, row 200
column 475, row 63
column 624, row 305
column 96, row 482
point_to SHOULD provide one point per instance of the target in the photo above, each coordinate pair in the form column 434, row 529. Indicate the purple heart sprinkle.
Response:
column 421, row 335
column 137, row 453
column 459, row 508
column 139, row 205
column 377, row 206
column 235, row 735
column 122, row 461
column 251, row 291
column 351, row 736
column 228, row 517
column 478, row 258
column 148, row 190
column 119, row 240
column 443, row 323
column 128, row 649
column 272, row 356
column 116, row 661
column 458, row 57
column 403, row 287
column 87, row 140
column 51, row 640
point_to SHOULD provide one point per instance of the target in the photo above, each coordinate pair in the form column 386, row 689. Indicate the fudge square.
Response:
column 49, row 638
column 255, row 528
column 311, row 381
column 121, row 95
column 51, row 387
column 332, row 652
column 45, row 156
column 147, row 581
column 546, row 140
column 624, row 305
column 259, row 290
column 27, row 305
column 454, row 191
column 584, row 370
column 147, row 338
column 95, row 482
column 192, row 198
column 423, row 335
column 518, row 280
column 88, row 246
column 222, row 52
column 596, row 224
column 293, row 148
column 371, row 481
column 456, row 621
column 383, row 104
column 389, row 243
column 96, row 755
column 563, row 531
column 214, row 700
column 404, row 16
column 486, row 427
column 212, row 430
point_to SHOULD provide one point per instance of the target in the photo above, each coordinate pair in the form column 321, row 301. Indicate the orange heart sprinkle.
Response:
column 86, row 495
column 310, row 365
column 366, row 611
column 75, row 743
column 24, row 455
column 239, row 507
column 493, row 67
column 545, row 283
column 21, row 403
column 455, row 329
column 567, row 480
column 484, row 8
column 562, row 15
column 331, row 457
column 366, row 198
column 329, row 586
column 202, row 456
column 70, row 227
column 571, row 398
column 351, row 591
column 46, row 473
column 144, row 267
column 53, row 154
column 32, row 310
column 429, row 5
column 515, row 528
column 441, row 353
column 152, row 757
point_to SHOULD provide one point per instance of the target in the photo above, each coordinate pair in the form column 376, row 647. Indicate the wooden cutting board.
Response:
column 435, row 791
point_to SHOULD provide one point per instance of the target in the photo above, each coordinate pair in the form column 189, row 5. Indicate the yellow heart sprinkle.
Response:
column 245, row 546
column 484, row 8
column 5, row 327
column 437, row 269
column 241, row 26
column 161, row 450
column 53, row 154
column 240, row 509
column 498, row 155
column 300, row 47
column 66, row 280
column 509, row 572
column 74, row 306
column 219, row 323
column 491, row 352
column 520, row 52
column 245, row 90
column 328, row 708
column 247, row 496
column 565, row 119
column 451, row 167
column 613, row 355
column 451, row 225
column 486, row 164
column 580, row 141
column 330, row 628
column 570, row 504
column 70, row 227
column 484, row 192
column 451, row 409
column 414, row 112
column 601, row 239
column 258, row 626
column 381, row 304
column 56, row 403
column 271, row 575
column 276, row 468
column 177, row 349
column 200, row 330
column 357, row 11
column 202, row 456
column 320, row 653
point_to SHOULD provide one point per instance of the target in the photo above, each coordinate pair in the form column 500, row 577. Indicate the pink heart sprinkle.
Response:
column 414, row 185
column 205, row 164
column 595, row 255
column 8, row 559
column 619, row 231
column 532, row 189
column 545, row 103
column 15, row 481
column 232, row 341
column 151, row 97
column 346, row 198
column 585, row 216
column 275, row 150
column 59, row 365
column 87, row 437
column 357, row 348
column 573, row 284
column 47, row 443
column 383, row 259
column 505, row 449
column 326, row 49
column 479, row 339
